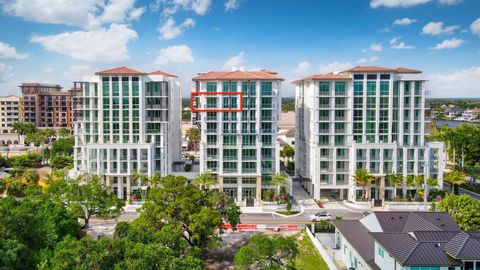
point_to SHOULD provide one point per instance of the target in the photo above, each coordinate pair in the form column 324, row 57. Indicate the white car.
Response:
column 320, row 216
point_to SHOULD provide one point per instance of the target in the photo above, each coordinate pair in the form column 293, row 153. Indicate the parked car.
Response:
column 320, row 216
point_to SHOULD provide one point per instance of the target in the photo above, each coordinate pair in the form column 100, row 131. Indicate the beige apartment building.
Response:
column 10, row 112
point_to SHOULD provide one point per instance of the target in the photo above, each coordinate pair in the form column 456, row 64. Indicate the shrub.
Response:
column 188, row 167
column 289, row 206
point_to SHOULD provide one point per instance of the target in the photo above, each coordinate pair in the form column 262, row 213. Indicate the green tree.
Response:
column 463, row 209
column 182, row 209
column 31, row 227
column 22, row 128
column 455, row 178
column 61, row 162
column 279, row 180
column 410, row 184
column 90, row 198
column 30, row 177
column 63, row 146
column 264, row 252
column 193, row 136
column 287, row 153
column 363, row 178
column 204, row 180
column 227, row 208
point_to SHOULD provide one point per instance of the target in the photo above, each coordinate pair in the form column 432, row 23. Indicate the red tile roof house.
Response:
column 406, row 240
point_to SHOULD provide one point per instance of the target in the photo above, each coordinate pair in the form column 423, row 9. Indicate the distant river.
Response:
column 454, row 124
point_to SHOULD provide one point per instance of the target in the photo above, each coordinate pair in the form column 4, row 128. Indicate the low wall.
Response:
column 328, row 260
column 408, row 206
column 358, row 205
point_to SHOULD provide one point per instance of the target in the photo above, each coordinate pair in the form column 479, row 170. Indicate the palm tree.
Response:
column 394, row 179
column 193, row 136
column 63, row 132
column 204, row 181
column 455, row 178
column 363, row 178
column 431, row 182
column 138, row 179
column 410, row 183
column 18, row 127
column 418, row 181
column 279, row 180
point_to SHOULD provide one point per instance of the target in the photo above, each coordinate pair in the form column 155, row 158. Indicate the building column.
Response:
column 341, row 194
column 129, row 186
column 120, row 187
column 259, row 191
column 220, row 183
column 239, row 194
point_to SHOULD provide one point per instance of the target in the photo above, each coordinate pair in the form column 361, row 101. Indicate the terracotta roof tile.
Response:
column 166, row 74
column 120, row 71
column 326, row 77
column 381, row 69
column 238, row 75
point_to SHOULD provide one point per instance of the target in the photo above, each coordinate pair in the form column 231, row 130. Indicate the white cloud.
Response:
column 334, row 67
column 136, row 13
column 303, row 67
column 404, row 21
column 7, row 51
column 376, row 47
column 117, row 10
column 174, row 54
column 170, row 30
column 436, row 28
column 460, row 83
column 170, row 7
column 449, row 2
column 449, row 44
column 365, row 60
column 48, row 70
column 396, row 3
column 5, row 72
column 235, row 61
column 231, row 5
column 77, row 72
column 87, row 14
column 102, row 45
column 475, row 27
column 400, row 45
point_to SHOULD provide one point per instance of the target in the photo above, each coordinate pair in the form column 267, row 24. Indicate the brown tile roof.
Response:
column 238, row 75
column 166, row 74
column 381, row 69
column 326, row 77
column 120, row 71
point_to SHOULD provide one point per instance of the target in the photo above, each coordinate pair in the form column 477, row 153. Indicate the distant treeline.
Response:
column 463, row 103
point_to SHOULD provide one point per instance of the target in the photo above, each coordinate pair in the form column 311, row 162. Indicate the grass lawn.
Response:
column 309, row 258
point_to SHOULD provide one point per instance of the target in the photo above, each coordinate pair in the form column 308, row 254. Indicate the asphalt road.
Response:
column 474, row 195
column 266, row 218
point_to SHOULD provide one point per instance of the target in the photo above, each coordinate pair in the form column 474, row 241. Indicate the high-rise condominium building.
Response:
column 130, row 122
column 10, row 112
column 365, row 117
column 237, row 113
column 46, row 105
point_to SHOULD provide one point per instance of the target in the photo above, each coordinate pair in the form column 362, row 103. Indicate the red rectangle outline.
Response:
column 192, row 94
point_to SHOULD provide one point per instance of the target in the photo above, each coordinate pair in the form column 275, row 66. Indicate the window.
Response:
column 371, row 88
column 324, row 88
column 384, row 88
column 323, row 139
column 358, row 88
column 266, row 88
column 339, row 88
column 211, row 87
column 381, row 252
column 230, row 180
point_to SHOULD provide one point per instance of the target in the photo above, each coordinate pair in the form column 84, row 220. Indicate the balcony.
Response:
column 212, row 130
column 267, row 118
column 245, row 158
column 249, row 170
column 268, row 130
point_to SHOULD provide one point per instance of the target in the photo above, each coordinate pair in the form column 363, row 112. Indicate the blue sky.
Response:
column 61, row 41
